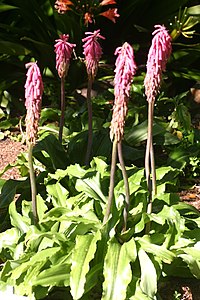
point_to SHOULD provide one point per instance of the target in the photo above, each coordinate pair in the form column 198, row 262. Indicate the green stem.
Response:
column 127, row 191
column 62, row 98
column 33, row 183
column 112, row 182
column 149, row 163
column 89, row 106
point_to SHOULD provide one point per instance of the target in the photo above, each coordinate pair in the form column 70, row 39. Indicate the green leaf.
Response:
column 194, row 10
column 82, row 255
column 18, row 220
column 117, row 270
column 59, row 193
column 41, row 207
column 92, row 187
column 5, row 7
column 160, row 251
column 10, row 48
column 9, row 189
column 56, row 275
column 9, row 238
column 148, row 282
column 57, row 157
column 31, row 260
column 192, row 258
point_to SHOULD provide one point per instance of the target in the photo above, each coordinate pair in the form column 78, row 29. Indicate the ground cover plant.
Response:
column 77, row 225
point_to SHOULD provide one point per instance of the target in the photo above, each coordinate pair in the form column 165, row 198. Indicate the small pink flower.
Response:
column 159, row 53
column 110, row 14
column 63, row 50
column 33, row 94
column 92, row 52
column 124, row 72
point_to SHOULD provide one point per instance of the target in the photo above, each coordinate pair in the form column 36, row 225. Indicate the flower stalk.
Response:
column 33, row 95
column 63, row 50
column 124, row 72
column 158, row 55
column 92, row 52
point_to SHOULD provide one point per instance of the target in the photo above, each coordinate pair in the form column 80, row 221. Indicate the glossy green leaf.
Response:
column 82, row 255
column 117, row 270
column 148, row 274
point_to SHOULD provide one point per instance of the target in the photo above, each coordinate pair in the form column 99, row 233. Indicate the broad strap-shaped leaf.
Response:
column 82, row 255
column 117, row 270
column 148, row 281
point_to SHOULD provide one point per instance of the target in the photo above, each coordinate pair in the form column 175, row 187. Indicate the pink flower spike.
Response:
column 124, row 72
column 158, row 56
column 63, row 50
column 92, row 52
column 33, row 94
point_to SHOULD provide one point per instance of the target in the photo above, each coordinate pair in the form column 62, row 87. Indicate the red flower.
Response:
column 63, row 5
column 108, row 2
column 111, row 14
column 88, row 18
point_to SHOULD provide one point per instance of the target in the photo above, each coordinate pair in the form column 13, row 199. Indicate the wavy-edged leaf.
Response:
column 165, row 255
column 82, row 255
column 57, row 275
column 117, row 270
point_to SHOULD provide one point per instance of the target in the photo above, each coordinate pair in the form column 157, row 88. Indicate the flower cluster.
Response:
column 89, row 10
column 159, row 53
column 63, row 50
column 33, row 94
column 124, row 72
column 92, row 52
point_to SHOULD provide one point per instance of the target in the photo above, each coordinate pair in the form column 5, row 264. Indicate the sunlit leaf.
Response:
column 117, row 270
column 82, row 255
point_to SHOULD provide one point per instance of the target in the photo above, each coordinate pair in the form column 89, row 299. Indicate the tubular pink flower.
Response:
column 63, row 50
column 92, row 52
column 124, row 72
column 33, row 94
column 159, row 53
